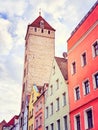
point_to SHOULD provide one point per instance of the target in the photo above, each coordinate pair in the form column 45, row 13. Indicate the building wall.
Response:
column 39, row 113
column 82, row 41
column 40, row 52
column 33, row 97
column 51, row 98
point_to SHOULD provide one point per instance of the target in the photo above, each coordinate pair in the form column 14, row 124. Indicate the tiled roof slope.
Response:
column 36, row 23
column 62, row 63
column 12, row 121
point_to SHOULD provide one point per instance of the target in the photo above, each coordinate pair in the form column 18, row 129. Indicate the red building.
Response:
column 83, row 72
column 39, row 109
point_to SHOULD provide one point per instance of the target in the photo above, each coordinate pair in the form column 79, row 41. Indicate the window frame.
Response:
column 93, row 49
column 94, row 81
column 47, row 112
column 75, row 120
column 73, row 67
column 64, row 101
column 84, row 59
column 84, row 87
column 51, row 108
column 75, row 93
column 58, row 124
column 86, row 120
column 65, row 125
column 57, row 104
column 52, row 126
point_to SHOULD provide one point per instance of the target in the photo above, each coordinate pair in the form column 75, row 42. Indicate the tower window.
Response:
column 48, row 32
column 41, row 24
column 35, row 29
column 42, row 30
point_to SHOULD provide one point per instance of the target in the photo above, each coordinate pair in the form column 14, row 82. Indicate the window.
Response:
column 42, row 31
column 86, row 87
column 77, row 121
column 47, row 128
column 48, row 32
column 53, row 70
column 51, row 105
column 35, row 29
column 57, row 103
column 77, row 93
column 36, row 123
column 51, row 89
column 52, row 126
column 65, row 123
column 73, row 67
column 84, row 60
column 96, row 80
column 57, row 83
column 88, row 119
column 41, row 24
column 40, row 120
column 95, row 49
column 64, row 99
column 46, row 112
column 58, row 124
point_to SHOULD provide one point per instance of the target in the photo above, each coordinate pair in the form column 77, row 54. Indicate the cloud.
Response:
column 10, row 100
column 5, row 36
column 63, row 15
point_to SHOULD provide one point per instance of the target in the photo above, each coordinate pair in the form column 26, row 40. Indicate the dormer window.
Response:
column 41, row 24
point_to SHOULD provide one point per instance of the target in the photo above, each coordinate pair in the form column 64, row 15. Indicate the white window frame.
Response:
column 94, row 82
column 64, row 102
column 82, row 62
column 93, row 51
column 72, row 70
column 51, row 108
column 84, row 86
column 85, row 117
column 64, row 121
column 46, row 112
column 57, row 108
column 57, row 124
column 75, row 93
column 75, row 125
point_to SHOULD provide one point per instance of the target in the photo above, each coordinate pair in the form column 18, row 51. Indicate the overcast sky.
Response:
column 15, row 15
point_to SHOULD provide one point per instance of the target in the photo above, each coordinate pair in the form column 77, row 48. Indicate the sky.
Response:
column 15, row 15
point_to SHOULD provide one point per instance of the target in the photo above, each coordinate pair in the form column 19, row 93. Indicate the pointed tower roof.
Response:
column 37, row 21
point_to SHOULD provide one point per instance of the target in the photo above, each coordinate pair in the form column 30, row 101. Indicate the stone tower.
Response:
column 39, row 54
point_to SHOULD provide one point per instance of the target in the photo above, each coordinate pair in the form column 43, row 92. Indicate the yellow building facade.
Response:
column 34, row 94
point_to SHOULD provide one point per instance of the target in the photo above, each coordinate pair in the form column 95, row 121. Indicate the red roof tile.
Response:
column 36, row 23
column 12, row 121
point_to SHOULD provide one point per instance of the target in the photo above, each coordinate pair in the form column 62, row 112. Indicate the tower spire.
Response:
column 40, row 12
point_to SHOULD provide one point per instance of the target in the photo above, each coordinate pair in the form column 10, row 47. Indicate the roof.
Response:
column 62, row 63
column 84, row 18
column 12, row 121
column 36, row 23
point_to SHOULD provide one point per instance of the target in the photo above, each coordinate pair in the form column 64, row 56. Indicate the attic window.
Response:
column 41, row 24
